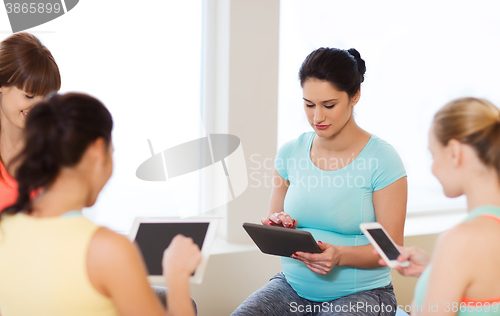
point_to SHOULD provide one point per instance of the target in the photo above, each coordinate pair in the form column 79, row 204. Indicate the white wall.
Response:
column 230, row 278
column 242, row 44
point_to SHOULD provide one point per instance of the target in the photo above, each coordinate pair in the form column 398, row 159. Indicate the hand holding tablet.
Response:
column 181, row 257
column 281, row 241
column 280, row 219
column 154, row 235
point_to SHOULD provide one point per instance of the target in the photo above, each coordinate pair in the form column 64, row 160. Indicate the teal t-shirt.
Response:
column 331, row 205
column 466, row 309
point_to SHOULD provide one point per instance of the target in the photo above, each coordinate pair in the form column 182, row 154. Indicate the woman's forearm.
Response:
column 358, row 256
column 179, row 302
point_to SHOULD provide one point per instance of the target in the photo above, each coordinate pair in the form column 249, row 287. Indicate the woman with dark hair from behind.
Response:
column 28, row 72
column 53, row 261
column 327, row 182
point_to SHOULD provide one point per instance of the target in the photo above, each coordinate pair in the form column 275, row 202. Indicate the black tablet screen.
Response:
column 154, row 238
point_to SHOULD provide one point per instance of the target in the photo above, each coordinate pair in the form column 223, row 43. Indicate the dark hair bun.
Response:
column 344, row 69
column 359, row 61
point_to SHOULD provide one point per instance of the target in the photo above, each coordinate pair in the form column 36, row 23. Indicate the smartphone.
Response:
column 383, row 243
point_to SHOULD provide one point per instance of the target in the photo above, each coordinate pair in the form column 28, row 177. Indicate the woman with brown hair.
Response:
column 28, row 72
column 54, row 261
column 462, row 276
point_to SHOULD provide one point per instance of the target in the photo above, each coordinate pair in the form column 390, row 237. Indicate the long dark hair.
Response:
column 344, row 69
column 58, row 131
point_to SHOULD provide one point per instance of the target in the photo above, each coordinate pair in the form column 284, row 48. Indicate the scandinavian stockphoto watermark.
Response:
column 25, row 14
column 330, row 307
column 304, row 174
column 363, row 307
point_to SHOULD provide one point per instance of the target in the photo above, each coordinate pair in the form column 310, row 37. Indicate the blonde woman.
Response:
column 462, row 277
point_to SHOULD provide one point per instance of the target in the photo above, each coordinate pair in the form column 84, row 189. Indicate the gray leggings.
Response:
column 277, row 298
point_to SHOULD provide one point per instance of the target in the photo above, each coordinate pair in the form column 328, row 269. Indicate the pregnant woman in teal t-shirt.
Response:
column 327, row 182
column 462, row 277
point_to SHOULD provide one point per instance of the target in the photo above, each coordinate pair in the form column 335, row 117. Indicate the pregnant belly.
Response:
column 340, row 281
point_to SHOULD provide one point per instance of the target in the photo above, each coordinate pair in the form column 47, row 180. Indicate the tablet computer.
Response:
column 153, row 236
column 281, row 241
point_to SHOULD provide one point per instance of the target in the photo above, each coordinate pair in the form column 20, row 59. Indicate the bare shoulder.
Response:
column 482, row 231
column 105, row 237
column 468, row 250
column 110, row 255
column 454, row 253
column 458, row 233
column 465, row 238
column 107, row 245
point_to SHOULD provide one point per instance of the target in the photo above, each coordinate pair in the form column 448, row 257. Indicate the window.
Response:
column 418, row 56
column 143, row 61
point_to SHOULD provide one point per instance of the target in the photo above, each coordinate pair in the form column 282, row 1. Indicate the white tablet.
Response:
column 154, row 234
